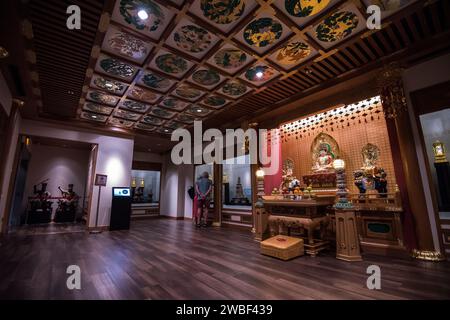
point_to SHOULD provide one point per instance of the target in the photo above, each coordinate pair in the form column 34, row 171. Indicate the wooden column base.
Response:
column 347, row 242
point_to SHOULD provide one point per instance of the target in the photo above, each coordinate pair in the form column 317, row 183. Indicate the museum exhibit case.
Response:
column 237, row 191
column 145, row 193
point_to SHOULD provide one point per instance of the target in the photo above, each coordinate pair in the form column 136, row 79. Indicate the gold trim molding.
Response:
column 434, row 256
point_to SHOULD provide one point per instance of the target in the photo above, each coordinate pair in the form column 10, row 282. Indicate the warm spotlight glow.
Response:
column 259, row 74
column 260, row 173
column 338, row 164
column 143, row 15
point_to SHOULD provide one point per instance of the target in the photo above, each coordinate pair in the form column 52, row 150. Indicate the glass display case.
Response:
column 145, row 186
column 436, row 129
column 236, row 183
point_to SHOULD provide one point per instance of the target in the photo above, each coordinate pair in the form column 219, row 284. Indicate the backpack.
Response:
column 191, row 192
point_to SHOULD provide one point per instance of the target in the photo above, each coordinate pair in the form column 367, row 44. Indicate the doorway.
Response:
column 52, row 186
column 432, row 110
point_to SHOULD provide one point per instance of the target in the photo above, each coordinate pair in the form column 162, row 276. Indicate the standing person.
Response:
column 203, row 188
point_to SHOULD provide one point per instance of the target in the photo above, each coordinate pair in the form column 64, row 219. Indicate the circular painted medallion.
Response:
column 142, row 94
column 117, row 68
column 171, row 63
column 214, row 101
column 337, row 26
column 187, row 92
column 127, row 115
column 94, row 117
column 109, row 85
column 100, row 97
column 262, row 32
column 128, row 45
column 222, row 11
column 305, row 8
column 192, row 38
column 293, row 52
column 144, row 126
column 135, row 106
column 152, row 121
column 121, row 122
column 153, row 81
column 186, row 118
column 129, row 10
column 198, row 110
column 230, row 58
column 253, row 74
column 234, row 88
column 162, row 113
column 97, row 108
column 206, row 77
column 172, row 103
column 174, row 125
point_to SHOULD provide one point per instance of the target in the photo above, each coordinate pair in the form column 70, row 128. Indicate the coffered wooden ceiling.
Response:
column 214, row 60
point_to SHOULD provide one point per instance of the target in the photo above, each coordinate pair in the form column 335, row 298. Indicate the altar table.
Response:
column 306, row 214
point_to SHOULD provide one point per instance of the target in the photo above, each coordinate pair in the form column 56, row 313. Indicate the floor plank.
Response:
column 165, row 259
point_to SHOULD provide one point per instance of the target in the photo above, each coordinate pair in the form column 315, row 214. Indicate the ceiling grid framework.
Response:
column 220, row 61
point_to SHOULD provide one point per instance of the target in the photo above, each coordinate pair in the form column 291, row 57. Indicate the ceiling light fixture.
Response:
column 259, row 74
column 143, row 15
column 199, row 110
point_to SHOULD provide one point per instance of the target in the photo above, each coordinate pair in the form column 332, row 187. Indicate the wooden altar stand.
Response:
column 308, row 215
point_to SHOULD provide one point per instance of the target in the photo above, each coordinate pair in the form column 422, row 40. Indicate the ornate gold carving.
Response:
column 31, row 56
column 392, row 95
column 27, row 29
column 3, row 53
column 440, row 152
column 95, row 52
column 89, row 72
column 104, row 22
column 434, row 256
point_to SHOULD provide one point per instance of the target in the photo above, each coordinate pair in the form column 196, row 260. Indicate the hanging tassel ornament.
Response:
column 392, row 95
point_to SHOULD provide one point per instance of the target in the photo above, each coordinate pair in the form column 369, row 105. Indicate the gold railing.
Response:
column 379, row 201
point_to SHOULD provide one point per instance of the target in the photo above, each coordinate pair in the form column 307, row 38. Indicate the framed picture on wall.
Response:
column 100, row 180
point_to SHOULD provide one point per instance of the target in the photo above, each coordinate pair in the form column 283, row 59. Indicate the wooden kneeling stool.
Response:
column 283, row 247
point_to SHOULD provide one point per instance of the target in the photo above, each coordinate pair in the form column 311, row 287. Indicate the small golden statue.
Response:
column 439, row 152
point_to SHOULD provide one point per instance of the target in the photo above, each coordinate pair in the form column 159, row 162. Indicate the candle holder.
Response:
column 342, row 203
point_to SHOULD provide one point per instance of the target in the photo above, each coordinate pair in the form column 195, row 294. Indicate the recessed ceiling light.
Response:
column 143, row 15
column 199, row 110
column 259, row 74
column 166, row 130
column 108, row 85
column 94, row 117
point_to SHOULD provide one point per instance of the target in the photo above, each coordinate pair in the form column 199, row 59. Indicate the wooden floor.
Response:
column 167, row 259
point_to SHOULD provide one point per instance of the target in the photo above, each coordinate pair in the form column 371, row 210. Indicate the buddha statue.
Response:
column 324, row 161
